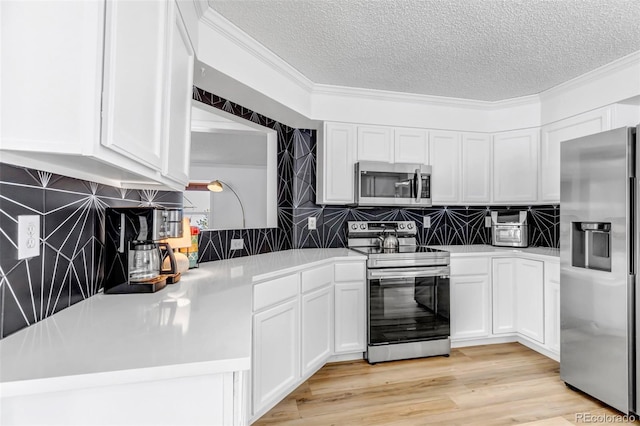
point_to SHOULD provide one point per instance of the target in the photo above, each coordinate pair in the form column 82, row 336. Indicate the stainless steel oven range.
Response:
column 407, row 291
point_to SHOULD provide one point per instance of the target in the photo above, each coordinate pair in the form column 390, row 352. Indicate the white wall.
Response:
column 249, row 184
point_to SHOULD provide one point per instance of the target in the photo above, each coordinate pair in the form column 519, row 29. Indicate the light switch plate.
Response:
column 487, row 221
column 311, row 224
column 237, row 244
column 28, row 236
column 426, row 221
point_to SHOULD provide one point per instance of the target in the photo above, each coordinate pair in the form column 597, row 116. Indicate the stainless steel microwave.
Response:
column 379, row 184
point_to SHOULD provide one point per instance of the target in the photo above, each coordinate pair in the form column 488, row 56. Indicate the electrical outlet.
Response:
column 311, row 223
column 426, row 221
column 237, row 244
column 28, row 236
column 487, row 221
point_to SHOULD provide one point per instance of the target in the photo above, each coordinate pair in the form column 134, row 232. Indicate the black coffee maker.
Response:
column 133, row 259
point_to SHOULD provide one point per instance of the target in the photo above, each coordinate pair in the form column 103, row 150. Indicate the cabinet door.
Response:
column 476, row 168
column 469, row 306
column 444, row 155
column 134, row 65
column 552, row 306
column 515, row 166
column 51, row 60
column 336, row 157
column 350, row 320
column 276, row 353
column 411, row 146
column 375, row 144
column 177, row 133
column 530, row 298
column 504, row 295
column 317, row 329
column 553, row 134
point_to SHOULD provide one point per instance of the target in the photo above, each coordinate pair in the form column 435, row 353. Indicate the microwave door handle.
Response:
column 419, row 185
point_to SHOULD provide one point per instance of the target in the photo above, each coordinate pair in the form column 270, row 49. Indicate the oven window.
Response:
column 408, row 309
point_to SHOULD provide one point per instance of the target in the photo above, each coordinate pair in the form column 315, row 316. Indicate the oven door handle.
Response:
column 418, row 185
column 418, row 272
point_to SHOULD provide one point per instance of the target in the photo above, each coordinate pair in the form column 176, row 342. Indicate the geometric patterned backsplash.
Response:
column 68, row 269
column 296, row 202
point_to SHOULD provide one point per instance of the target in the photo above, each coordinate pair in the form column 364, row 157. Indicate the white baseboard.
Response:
column 477, row 341
column 346, row 357
column 509, row 338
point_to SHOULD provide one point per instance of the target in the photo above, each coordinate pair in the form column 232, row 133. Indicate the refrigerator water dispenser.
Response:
column 591, row 245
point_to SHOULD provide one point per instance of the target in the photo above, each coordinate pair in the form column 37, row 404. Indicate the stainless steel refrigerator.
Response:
column 598, row 266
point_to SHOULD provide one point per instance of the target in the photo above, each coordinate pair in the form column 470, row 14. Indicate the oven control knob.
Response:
column 410, row 225
column 354, row 226
column 401, row 226
column 363, row 226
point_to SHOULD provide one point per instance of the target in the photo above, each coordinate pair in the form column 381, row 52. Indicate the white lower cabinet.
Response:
column 518, row 297
column 470, row 297
column 316, row 328
column 350, row 302
column 300, row 320
column 350, row 318
column 504, row 295
column 530, row 298
column 552, row 306
column 276, row 353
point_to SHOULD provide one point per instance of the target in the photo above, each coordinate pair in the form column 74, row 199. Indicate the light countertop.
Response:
column 546, row 253
column 201, row 325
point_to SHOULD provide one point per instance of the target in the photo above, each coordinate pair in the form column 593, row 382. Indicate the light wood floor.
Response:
column 480, row 385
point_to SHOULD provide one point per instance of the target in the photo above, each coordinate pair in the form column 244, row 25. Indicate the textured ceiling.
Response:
column 474, row 49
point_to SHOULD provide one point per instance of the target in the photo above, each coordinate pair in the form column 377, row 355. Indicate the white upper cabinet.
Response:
column 177, row 121
column 335, row 164
column 111, row 68
column 515, row 166
column 51, row 77
column 444, row 156
column 134, row 79
column 375, row 143
column 589, row 123
column 411, row 146
column 476, row 168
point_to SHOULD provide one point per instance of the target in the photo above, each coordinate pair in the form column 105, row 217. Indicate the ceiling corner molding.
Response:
column 628, row 61
column 201, row 7
column 224, row 27
column 383, row 95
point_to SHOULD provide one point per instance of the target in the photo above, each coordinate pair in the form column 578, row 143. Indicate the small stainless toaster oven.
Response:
column 509, row 229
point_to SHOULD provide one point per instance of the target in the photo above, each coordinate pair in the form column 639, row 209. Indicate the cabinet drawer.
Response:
column 470, row 266
column 352, row 271
column 271, row 292
column 317, row 277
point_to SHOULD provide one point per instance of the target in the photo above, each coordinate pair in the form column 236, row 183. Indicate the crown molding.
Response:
column 390, row 96
column 224, row 27
column 633, row 59
column 201, row 7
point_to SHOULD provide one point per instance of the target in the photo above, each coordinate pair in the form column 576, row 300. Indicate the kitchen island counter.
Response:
column 201, row 325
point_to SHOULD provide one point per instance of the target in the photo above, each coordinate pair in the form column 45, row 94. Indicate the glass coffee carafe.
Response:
column 144, row 262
